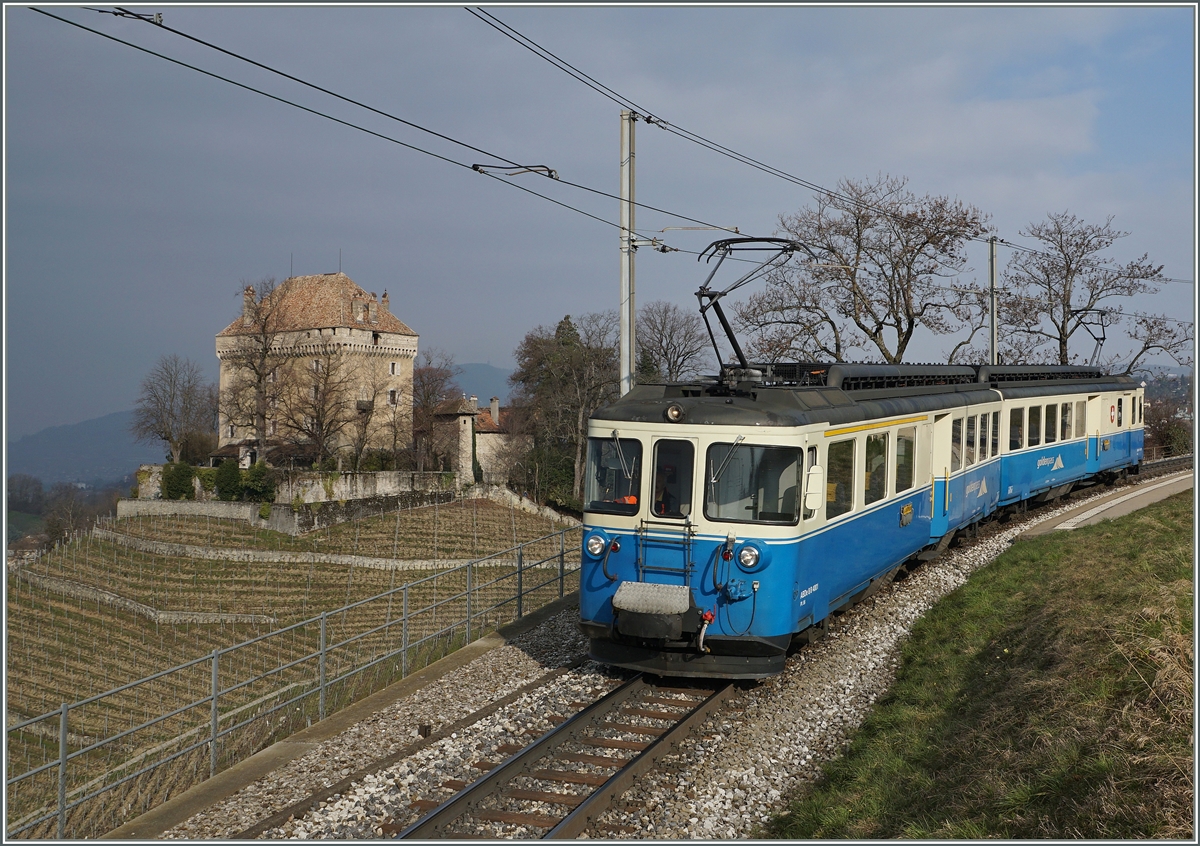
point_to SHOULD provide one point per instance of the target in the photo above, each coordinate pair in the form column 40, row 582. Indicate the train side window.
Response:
column 956, row 445
column 1016, row 426
column 672, row 491
column 1080, row 418
column 971, row 423
column 1120, row 414
column 983, row 437
column 839, row 488
column 875, row 473
column 995, row 433
column 1035, row 425
column 1051, row 422
column 906, row 457
column 1066, row 422
column 812, row 462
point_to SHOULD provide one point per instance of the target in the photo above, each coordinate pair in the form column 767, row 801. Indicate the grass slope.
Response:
column 1050, row 697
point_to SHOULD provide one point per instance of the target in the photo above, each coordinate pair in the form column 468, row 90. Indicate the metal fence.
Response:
column 91, row 765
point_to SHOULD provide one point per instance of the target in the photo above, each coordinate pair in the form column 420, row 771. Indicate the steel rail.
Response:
column 530, row 763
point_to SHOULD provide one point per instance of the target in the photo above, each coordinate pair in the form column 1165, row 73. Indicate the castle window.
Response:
column 392, row 397
column 375, row 338
column 231, row 430
column 392, row 369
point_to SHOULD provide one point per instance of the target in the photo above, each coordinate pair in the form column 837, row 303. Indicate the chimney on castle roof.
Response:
column 474, row 402
column 385, row 301
column 248, row 305
column 372, row 309
column 496, row 410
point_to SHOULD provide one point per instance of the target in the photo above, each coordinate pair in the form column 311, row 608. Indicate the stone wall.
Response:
column 501, row 494
column 247, row 511
column 314, row 486
column 290, row 519
column 149, row 481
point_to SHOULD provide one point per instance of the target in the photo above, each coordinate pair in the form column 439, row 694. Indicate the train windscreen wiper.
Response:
column 717, row 475
column 616, row 436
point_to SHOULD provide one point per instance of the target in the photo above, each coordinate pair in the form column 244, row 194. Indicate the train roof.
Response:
column 805, row 393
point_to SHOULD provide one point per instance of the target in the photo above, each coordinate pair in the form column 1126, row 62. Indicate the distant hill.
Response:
column 484, row 381
column 100, row 450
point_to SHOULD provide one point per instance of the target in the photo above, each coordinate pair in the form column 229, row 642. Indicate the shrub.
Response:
column 207, row 477
column 228, row 479
column 259, row 484
column 264, row 511
column 177, row 481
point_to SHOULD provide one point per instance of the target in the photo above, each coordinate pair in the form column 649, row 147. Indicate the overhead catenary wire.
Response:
column 349, row 124
column 121, row 12
column 597, row 86
column 531, row 45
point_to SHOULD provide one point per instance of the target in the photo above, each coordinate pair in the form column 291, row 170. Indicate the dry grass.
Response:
column 1050, row 697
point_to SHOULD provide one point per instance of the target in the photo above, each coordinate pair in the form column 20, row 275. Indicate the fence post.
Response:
column 469, row 568
column 62, row 771
column 212, row 751
column 404, row 637
column 520, row 581
column 321, row 669
column 562, row 559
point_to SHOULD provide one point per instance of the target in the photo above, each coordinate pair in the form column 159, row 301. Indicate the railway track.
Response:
column 556, row 787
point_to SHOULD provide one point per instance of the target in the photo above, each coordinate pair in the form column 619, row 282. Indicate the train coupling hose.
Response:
column 706, row 618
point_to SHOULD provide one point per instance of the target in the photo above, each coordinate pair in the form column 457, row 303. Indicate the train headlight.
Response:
column 674, row 413
column 748, row 557
column 595, row 545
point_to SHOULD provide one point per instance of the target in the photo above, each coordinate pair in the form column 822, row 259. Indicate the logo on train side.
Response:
column 1056, row 461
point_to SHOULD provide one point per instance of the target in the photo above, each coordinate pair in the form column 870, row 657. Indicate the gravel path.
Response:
column 731, row 776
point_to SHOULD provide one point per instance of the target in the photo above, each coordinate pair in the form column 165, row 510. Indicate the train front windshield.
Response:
column 614, row 475
column 753, row 484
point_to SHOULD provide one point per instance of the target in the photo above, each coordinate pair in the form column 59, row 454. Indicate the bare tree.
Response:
column 1155, row 332
column 253, row 385
column 673, row 339
column 565, row 374
column 396, row 423
column 880, row 260
column 433, row 386
column 1053, row 292
column 175, row 403
column 25, row 494
column 316, row 402
column 368, row 417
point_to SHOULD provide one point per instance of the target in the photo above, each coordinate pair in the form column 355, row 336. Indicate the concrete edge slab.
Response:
column 1090, row 511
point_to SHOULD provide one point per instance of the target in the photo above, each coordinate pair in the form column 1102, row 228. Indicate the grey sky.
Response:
column 140, row 196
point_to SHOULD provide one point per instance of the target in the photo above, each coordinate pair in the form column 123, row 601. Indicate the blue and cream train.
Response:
column 724, row 519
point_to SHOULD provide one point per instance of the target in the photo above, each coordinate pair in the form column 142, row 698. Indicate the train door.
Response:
column 939, row 470
column 1093, row 426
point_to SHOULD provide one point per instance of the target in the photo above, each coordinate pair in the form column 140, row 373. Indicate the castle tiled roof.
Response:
column 485, row 425
column 324, row 301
